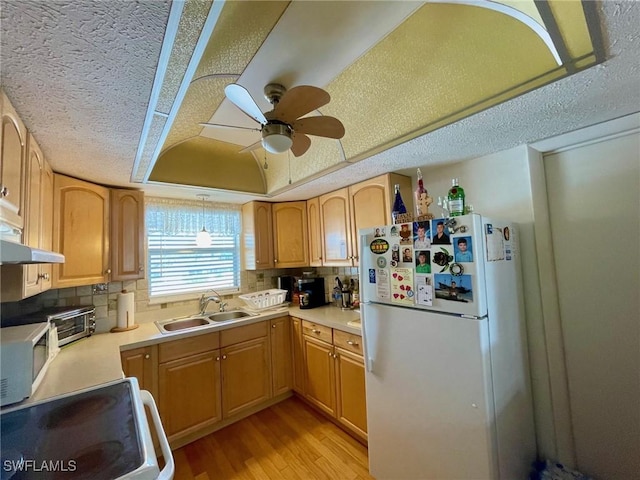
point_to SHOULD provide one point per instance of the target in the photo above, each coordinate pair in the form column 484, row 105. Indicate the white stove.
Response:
column 96, row 433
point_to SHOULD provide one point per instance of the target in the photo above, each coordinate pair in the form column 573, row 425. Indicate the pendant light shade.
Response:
column 203, row 239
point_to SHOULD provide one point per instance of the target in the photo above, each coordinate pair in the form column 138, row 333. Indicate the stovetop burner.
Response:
column 90, row 435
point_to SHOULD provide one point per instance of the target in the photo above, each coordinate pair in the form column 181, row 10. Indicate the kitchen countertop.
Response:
column 96, row 359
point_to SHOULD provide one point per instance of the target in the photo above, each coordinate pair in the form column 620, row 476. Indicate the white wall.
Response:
column 499, row 186
column 594, row 204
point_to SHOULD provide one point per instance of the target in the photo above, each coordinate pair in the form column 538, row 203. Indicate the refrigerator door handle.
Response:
column 368, row 361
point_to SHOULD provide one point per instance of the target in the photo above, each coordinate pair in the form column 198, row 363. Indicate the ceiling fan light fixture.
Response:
column 276, row 138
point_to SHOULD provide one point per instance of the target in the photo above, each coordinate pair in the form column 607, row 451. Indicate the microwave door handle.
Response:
column 169, row 468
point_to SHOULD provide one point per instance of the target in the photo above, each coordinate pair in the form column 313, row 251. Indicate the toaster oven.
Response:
column 72, row 323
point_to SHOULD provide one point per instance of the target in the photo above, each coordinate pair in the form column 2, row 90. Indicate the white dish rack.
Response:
column 264, row 299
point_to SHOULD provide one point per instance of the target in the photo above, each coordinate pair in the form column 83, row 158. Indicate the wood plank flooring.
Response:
column 286, row 441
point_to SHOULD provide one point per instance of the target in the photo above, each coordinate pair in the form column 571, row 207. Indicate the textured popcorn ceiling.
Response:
column 80, row 75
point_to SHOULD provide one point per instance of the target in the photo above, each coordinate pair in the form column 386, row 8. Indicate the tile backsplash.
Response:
column 105, row 300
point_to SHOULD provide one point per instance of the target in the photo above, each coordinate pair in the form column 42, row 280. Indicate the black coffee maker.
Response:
column 311, row 292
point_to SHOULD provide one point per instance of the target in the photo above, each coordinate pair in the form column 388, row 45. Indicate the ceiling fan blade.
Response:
column 250, row 148
column 299, row 101
column 244, row 101
column 329, row 127
column 217, row 125
column 301, row 144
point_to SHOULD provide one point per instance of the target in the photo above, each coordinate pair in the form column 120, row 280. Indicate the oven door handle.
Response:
column 167, row 472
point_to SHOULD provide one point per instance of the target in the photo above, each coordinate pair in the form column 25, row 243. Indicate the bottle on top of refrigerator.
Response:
column 398, row 204
column 456, row 199
column 422, row 199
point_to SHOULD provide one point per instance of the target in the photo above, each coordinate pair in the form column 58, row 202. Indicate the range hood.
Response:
column 16, row 253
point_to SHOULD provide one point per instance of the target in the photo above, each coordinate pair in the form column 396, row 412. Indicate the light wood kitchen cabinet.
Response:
column 189, row 385
column 22, row 281
column 351, row 397
column 297, row 354
column 334, row 375
column 371, row 202
column 142, row 363
column 336, row 229
column 257, row 235
column 81, row 227
column 320, row 374
column 280, row 339
column 315, row 232
column 362, row 205
column 246, row 367
column 13, row 148
column 189, row 394
column 127, row 234
column 290, row 230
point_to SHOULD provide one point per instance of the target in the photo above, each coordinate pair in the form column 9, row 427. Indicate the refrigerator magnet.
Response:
column 424, row 288
column 382, row 284
column 402, row 285
column 456, row 289
column 379, row 246
column 463, row 249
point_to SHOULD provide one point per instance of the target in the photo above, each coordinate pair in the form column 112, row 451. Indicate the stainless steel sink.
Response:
column 200, row 321
column 174, row 325
column 224, row 316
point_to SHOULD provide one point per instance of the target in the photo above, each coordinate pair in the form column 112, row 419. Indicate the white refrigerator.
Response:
column 447, row 378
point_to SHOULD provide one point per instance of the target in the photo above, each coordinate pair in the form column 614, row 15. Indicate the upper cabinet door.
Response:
column 81, row 232
column 315, row 232
column 13, row 144
column 32, row 226
column 290, row 234
column 369, row 207
column 127, row 235
column 336, row 229
column 257, row 235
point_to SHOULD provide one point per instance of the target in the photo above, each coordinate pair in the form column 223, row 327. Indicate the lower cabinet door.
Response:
column 189, row 394
column 350, row 390
column 320, row 374
column 246, row 375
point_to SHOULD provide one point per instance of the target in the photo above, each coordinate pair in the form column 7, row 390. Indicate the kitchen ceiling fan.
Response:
column 282, row 128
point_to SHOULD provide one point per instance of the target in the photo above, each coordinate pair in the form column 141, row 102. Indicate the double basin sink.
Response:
column 196, row 321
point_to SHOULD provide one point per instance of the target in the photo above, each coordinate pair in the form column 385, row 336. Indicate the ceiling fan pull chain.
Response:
column 289, row 156
column 266, row 165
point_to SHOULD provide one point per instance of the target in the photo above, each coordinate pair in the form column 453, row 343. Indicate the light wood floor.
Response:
column 286, row 441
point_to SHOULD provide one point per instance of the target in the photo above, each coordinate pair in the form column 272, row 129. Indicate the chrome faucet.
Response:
column 204, row 302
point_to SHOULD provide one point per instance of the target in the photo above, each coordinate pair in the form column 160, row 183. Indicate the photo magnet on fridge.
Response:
column 463, row 249
column 454, row 288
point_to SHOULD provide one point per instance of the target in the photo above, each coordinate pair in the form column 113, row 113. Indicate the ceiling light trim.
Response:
column 522, row 17
column 163, row 61
column 198, row 51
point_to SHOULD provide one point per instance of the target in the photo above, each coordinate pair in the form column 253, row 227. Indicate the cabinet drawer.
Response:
column 188, row 346
column 242, row 334
column 348, row 341
column 316, row 331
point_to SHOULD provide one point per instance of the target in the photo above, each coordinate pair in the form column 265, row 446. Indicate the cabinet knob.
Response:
column 217, row 359
column 43, row 276
column 273, row 326
column 316, row 331
column 4, row 192
column 275, row 260
column 330, row 354
column 352, row 343
column 147, row 356
column 335, row 356
column 224, row 357
column 140, row 269
column 108, row 271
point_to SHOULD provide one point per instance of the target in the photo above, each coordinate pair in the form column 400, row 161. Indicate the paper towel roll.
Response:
column 126, row 306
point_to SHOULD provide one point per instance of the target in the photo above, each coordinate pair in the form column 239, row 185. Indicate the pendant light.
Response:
column 203, row 239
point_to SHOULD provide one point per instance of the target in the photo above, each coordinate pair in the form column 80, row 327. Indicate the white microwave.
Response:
column 25, row 354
